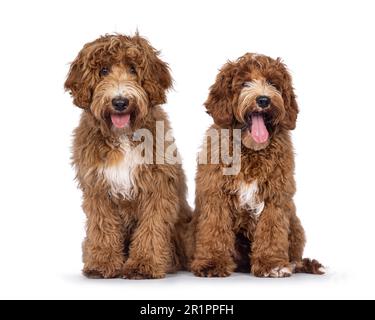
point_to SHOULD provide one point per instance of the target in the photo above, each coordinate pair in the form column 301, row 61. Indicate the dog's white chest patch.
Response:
column 120, row 176
column 248, row 198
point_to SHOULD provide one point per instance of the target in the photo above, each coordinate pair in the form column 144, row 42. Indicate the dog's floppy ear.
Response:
column 220, row 98
column 291, row 112
column 80, row 81
column 291, row 106
column 157, row 78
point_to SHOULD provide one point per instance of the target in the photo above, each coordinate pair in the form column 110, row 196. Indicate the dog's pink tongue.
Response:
column 120, row 120
column 259, row 131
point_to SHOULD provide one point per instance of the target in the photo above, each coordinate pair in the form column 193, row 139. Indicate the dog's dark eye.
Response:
column 270, row 82
column 104, row 71
column 133, row 69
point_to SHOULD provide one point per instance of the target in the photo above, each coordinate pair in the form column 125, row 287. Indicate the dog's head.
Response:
column 254, row 93
column 118, row 79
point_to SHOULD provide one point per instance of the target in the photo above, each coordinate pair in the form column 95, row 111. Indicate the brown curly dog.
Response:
column 136, row 210
column 247, row 221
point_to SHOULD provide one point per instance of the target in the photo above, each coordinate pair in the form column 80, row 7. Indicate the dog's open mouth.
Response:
column 120, row 120
column 259, row 126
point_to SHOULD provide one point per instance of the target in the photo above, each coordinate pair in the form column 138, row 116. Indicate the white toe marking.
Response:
column 285, row 271
column 280, row 272
column 274, row 272
column 322, row 270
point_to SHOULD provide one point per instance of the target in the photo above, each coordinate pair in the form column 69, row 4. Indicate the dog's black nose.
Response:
column 263, row 101
column 120, row 103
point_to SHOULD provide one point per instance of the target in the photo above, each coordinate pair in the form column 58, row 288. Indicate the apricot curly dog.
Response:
column 248, row 221
column 136, row 210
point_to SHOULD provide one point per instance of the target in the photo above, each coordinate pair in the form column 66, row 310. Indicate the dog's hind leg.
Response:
column 309, row 266
column 296, row 245
column 296, row 238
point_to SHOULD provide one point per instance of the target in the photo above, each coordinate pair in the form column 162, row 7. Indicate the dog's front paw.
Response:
column 141, row 270
column 212, row 268
column 108, row 271
column 278, row 271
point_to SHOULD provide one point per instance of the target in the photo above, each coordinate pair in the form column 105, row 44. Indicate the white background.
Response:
column 328, row 46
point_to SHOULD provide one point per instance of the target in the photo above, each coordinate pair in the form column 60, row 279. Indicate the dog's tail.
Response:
column 309, row 266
